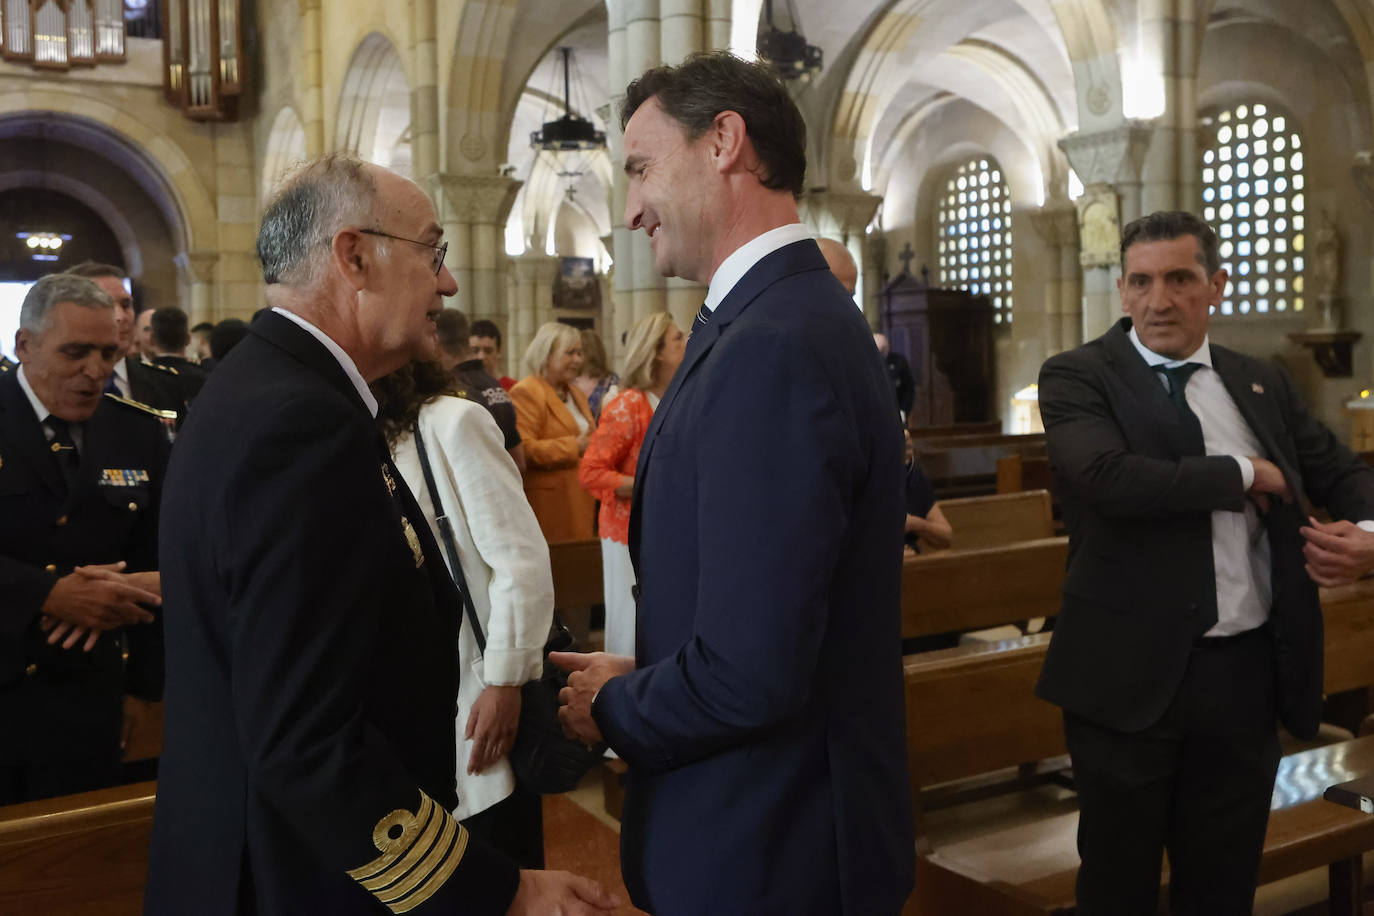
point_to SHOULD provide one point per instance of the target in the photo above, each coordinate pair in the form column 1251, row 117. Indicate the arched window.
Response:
column 1252, row 194
column 974, row 233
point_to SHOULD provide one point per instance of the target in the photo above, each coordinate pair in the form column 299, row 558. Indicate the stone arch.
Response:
column 373, row 119
column 151, row 157
column 285, row 145
column 91, row 196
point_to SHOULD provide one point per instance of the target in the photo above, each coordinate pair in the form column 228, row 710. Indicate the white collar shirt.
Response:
column 345, row 361
column 41, row 411
column 743, row 259
column 1240, row 544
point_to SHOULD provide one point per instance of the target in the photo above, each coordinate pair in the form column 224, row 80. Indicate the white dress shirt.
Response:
column 743, row 258
column 121, row 378
column 345, row 361
column 1240, row 545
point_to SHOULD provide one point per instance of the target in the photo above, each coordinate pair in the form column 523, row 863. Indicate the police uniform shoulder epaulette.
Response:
column 139, row 405
column 161, row 368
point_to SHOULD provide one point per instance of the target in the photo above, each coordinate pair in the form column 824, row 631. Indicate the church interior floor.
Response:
column 581, row 837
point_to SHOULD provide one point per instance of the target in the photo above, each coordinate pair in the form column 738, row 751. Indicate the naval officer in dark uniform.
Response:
column 80, row 474
column 309, row 755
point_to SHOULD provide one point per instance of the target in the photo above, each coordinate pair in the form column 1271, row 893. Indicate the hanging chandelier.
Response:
column 571, row 132
column 786, row 48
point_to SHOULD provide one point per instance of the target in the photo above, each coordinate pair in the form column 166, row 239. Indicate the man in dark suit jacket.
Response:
column 80, row 476
column 309, row 756
column 762, row 718
column 155, row 386
column 171, row 336
column 1189, row 624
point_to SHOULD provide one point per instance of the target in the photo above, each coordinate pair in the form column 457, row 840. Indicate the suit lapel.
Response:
column 790, row 259
column 23, row 431
column 1247, row 400
column 300, row 343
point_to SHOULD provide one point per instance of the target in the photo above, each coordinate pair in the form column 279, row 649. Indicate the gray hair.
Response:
column 35, row 315
column 311, row 205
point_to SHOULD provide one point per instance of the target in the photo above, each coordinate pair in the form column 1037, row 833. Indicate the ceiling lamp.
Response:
column 572, row 132
column 786, row 48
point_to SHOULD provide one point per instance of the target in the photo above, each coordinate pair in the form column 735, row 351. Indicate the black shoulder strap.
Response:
column 446, row 532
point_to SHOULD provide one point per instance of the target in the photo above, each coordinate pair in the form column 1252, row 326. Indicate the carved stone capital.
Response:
column 197, row 266
column 1109, row 156
column 474, row 198
column 838, row 212
column 536, row 269
column 1057, row 222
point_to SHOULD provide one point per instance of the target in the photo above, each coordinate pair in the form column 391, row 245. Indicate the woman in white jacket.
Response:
column 505, row 561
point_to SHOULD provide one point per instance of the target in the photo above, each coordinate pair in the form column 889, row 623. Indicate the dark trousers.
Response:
column 514, row 826
column 1197, row 783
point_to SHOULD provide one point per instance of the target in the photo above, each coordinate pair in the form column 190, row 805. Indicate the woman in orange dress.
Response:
column 653, row 353
column 555, row 425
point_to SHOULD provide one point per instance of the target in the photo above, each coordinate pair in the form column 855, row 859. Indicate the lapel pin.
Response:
column 1257, row 388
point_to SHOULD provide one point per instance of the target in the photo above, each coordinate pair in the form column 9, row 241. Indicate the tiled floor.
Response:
column 580, row 837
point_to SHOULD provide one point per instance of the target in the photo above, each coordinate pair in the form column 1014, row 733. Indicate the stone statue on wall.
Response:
column 1327, row 251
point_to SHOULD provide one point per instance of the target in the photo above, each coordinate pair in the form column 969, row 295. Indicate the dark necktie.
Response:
column 110, row 386
column 64, row 449
column 1177, row 377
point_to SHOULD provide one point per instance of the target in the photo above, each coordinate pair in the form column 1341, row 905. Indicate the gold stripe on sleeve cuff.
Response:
column 416, row 862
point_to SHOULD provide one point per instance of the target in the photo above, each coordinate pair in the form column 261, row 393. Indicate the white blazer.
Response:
column 505, row 561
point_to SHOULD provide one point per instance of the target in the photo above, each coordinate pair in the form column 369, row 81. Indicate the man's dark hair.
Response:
column 454, row 332
column 91, row 270
column 485, row 328
column 205, row 327
column 706, row 84
column 226, row 336
column 1167, row 225
column 169, row 325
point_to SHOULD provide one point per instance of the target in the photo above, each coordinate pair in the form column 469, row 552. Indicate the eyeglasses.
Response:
column 439, row 250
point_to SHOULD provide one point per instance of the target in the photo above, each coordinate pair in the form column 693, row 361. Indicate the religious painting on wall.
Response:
column 577, row 286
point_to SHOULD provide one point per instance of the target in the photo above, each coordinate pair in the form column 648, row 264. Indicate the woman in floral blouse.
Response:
column 652, row 355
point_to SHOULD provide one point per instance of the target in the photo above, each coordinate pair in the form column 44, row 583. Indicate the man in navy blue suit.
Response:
column 762, row 717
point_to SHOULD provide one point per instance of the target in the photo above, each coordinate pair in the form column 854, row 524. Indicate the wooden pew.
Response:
column 971, row 711
column 998, row 520
column 966, row 465
column 576, row 573
column 959, row 590
column 77, row 855
column 1024, row 472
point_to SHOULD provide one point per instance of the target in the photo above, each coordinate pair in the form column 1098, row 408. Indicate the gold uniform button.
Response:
column 62, row 521
column 50, row 569
column 31, row 670
column 133, row 507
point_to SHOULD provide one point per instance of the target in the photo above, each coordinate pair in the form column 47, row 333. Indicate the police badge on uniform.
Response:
column 412, row 539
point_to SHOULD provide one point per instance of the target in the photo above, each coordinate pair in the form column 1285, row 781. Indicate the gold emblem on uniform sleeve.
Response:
column 425, row 850
column 390, row 483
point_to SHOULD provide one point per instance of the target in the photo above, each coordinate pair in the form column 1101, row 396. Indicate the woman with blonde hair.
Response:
column 555, row 424
column 653, row 353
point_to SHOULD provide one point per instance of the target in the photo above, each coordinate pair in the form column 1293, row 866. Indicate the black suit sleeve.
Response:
column 304, row 624
column 1091, row 454
column 1332, row 475
column 145, row 672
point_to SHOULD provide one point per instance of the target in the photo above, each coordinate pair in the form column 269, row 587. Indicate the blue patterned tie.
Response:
column 703, row 318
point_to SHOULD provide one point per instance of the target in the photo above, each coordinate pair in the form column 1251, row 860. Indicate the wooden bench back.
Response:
column 973, row 710
column 78, row 855
column 1024, row 472
column 958, row 590
column 994, row 521
column 576, row 573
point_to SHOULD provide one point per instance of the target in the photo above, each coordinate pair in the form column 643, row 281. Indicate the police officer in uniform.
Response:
column 80, row 476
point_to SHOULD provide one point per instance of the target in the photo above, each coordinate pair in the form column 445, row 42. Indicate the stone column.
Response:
column 196, row 274
column 1362, row 170
column 844, row 216
column 1168, row 34
column 473, row 211
column 1057, row 223
column 312, row 93
column 1109, row 163
column 424, row 97
column 531, row 279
